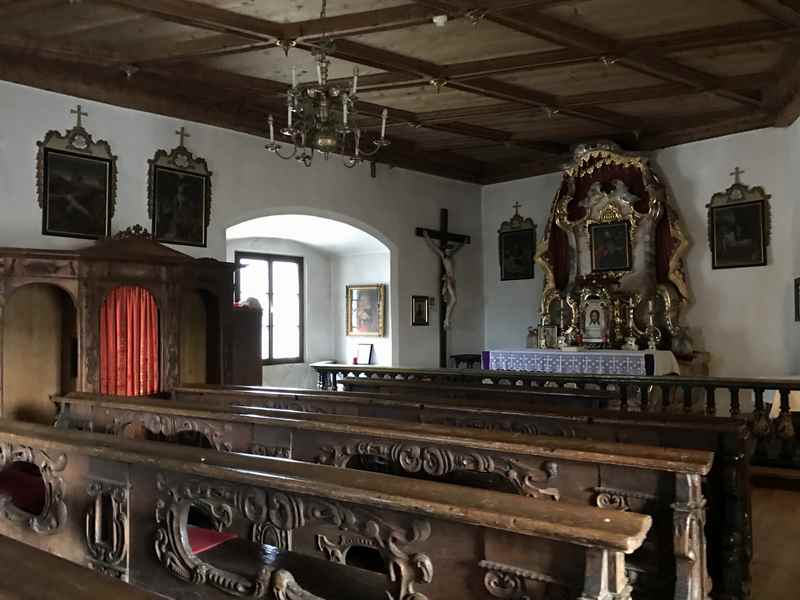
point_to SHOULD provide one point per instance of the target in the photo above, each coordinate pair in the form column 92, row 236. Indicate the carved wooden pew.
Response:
column 665, row 483
column 727, row 489
column 433, row 540
column 30, row 574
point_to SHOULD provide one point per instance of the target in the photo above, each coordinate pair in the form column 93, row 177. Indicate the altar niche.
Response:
column 41, row 340
column 200, row 334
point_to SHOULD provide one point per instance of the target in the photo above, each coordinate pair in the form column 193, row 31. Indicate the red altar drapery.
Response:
column 129, row 343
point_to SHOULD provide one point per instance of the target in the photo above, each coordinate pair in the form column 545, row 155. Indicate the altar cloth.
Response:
column 588, row 362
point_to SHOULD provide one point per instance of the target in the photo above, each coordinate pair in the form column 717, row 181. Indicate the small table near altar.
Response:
column 637, row 363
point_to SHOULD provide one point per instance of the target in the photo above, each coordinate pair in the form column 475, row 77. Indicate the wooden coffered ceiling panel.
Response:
column 522, row 80
column 624, row 20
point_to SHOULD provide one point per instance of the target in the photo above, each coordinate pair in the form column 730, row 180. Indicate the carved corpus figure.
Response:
column 449, row 277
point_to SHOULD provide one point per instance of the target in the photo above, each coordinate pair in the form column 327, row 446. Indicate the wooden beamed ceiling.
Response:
column 501, row 91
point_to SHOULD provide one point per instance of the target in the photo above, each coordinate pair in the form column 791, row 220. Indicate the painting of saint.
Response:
column 516, row 254
column 179, row 214
column 738, row 238
column 611, row 247
column 76, row 195
column 365, row 310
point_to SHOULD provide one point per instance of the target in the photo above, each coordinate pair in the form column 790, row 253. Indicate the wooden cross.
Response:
column 79, row 113
column 516, row 207
column 445, row 238
column 737, row 172
column 183, row 133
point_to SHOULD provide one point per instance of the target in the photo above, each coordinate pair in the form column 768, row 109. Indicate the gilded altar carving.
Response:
column 605, row 186
column 280, row 513
column 436, row 461
column 108, row 550
column 54, row 510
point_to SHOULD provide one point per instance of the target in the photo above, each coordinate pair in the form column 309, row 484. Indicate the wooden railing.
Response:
column 746, row 398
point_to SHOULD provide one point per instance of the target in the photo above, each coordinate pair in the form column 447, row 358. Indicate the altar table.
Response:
column 588, row 362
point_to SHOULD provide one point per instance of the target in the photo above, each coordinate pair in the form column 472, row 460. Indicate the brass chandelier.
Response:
column 318, row 116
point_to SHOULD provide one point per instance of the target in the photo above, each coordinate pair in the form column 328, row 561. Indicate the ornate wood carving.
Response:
column 437, row 461
column 168, row 425
column 513, row 583
column 54, row 512
column 274, row 451
column 281, row 513
column 108, row 550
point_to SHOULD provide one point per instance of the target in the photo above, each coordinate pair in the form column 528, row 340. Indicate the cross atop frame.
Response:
column 183, row 134
column 78, row 112
column 736, row 174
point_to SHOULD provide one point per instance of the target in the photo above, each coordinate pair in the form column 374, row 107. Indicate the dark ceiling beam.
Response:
column 701, row 127
column 785, row 95
column 777, row 12
column 360, row 23
column 204, row 16
column 647, row 61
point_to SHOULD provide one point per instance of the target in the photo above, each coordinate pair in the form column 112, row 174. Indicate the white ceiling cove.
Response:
column 327, row 235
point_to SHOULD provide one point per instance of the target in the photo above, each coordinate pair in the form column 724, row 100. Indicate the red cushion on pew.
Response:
column 25, row 488
column 202, row 540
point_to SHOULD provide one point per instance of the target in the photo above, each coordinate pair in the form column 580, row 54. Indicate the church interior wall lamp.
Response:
column 318, row 117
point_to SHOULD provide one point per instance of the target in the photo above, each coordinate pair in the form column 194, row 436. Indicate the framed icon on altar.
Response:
column 611, row 246
column 548, row 336
column 594, row 327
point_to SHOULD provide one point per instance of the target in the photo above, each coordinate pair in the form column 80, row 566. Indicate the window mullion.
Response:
column 270, row 293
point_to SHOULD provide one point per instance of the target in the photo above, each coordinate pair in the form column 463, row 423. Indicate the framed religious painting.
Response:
column 420, row 311
column 366, row 309
column 739, row 226
column 517, row 246
column 610, row 246
column 76, row 183
column 594, row 322
column 179, row 196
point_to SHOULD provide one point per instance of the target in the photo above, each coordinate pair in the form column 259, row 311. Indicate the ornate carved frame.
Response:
column 272, row 517
column 516, row 224
column 54, row 512
column 739, row 195
column 219, row 437
column 108, row 555
column 182, row 161
column 79, row 143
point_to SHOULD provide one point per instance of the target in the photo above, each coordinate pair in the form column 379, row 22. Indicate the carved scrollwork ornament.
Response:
column 437, row 462
column 108, row 554
column 277, row 513
column 54, row 512
column 218, row 437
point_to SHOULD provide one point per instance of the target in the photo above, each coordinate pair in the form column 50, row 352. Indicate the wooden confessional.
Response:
column 58, row 326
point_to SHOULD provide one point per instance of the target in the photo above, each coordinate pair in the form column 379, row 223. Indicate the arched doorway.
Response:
column 332, row 254
column 40, row 338
column 200, row 360
column 129, row 343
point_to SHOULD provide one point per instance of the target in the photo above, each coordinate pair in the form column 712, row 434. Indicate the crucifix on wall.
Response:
column 446, row 245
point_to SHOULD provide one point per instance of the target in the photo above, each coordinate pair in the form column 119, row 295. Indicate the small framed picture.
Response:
column 548, row 336
column 595, row 321
column 365, row 305
column 364, row 354
column 797, row 299
column 738, row 236
column 420, row 311
column 611, row 246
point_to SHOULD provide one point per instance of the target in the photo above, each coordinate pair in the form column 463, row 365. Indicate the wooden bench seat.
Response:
column 433, row 540
column 727, row 490
column 662, row 482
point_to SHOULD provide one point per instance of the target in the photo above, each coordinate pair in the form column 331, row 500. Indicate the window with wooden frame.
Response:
column 276, row 281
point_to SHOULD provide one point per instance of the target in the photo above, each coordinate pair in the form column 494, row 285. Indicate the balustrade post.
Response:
column 623, row 397
column 644, row 394
column 711, row 400
column 784, row 427
column 760, row 424
column 687, row 398
column 735, row 408
column 666, row 397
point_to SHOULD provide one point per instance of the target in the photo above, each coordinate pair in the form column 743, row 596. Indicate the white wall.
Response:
column 249, row 182
column 743, row 317
column 318, row 307
column 357, row 270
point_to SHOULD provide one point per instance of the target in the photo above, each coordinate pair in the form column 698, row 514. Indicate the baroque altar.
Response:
column 612, row 255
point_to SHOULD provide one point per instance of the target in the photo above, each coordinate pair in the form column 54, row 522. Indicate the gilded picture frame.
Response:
column 611, row 247
column 739, row 226
column 365, row 307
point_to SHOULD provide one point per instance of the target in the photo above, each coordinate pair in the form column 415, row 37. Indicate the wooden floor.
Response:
column 776, row 543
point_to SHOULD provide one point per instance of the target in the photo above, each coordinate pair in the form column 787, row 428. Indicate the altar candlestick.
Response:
column 289, row 116
column 294, row 77
column 344, row 109
column 271, row 129
column 384, row 116
column 355, row 81
column 319, row 74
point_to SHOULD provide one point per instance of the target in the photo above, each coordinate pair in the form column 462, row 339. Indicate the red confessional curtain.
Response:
column 129, row 343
